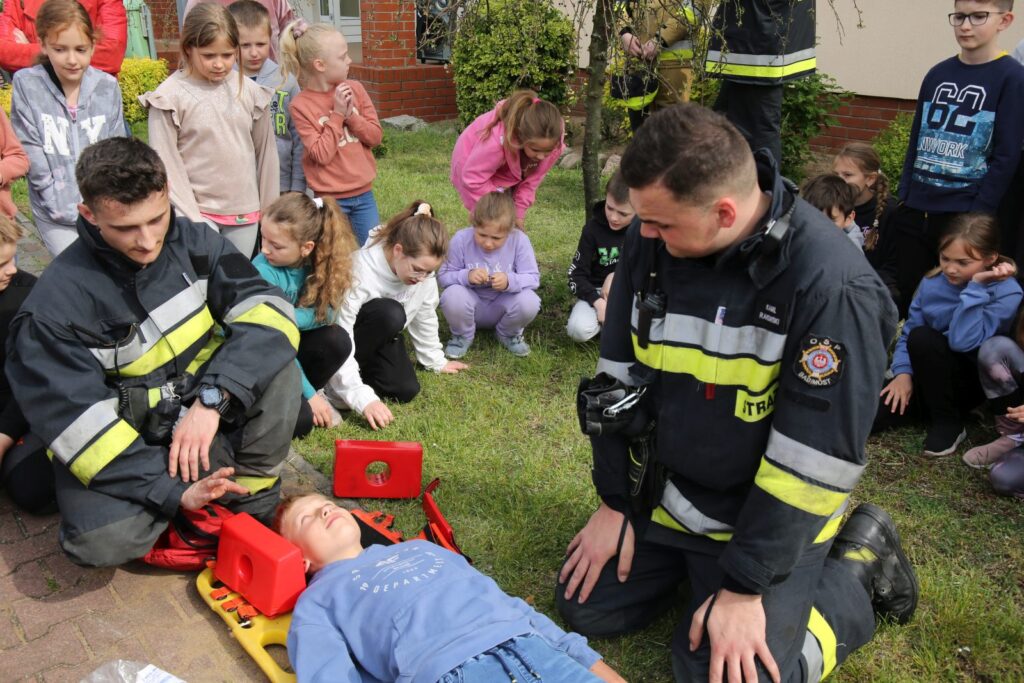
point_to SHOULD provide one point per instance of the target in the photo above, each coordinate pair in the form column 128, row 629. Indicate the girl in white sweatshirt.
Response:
column 395, row 289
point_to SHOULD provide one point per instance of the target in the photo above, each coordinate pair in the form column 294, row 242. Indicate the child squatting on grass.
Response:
column 307, row 252
column 394, row 289
column 414, row 612
column 969, row 298
column 490, row 279
column 593, row 266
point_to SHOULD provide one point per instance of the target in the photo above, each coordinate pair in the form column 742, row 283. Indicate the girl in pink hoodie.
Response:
column 508, row 149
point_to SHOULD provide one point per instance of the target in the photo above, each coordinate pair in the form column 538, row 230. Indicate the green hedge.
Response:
column 515, row 44
column 891, row 144
column 137, row 76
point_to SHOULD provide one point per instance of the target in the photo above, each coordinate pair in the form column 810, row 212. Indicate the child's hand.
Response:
column 343, row 99
column 478, row 276
column 454, row 367
column 600, row 305
column 606, row 673
column 19, row 36
column 499, row 282
column 999, row 272
column 1016, row 413
column 211, row 488
column 896, row 393
column 606, row 288
column 322, row 414
column 378, row 415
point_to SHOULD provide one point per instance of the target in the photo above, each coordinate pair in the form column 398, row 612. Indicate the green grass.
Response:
column 516, row 485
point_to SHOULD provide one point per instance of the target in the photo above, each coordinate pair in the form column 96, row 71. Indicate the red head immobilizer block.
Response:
column 403, row 471
column 260, row 565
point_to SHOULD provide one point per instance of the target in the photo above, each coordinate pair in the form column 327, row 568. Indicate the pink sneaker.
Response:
column 983, row 457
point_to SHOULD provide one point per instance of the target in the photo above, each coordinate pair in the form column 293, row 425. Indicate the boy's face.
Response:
column 619, row 214
column 841, row 220
column 136, row 231
column 323, row 531
column 970, row 37
column 254, row 44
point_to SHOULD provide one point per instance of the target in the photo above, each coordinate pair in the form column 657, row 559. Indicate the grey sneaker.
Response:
column 457, row 346
column 516, row 345
column 983, row 457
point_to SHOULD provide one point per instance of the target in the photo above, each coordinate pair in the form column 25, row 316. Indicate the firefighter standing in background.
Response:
column 756, row 46
column 659, row 35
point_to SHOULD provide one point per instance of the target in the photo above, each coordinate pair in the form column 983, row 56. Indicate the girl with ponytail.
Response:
column 509, row 149
column 307, row 252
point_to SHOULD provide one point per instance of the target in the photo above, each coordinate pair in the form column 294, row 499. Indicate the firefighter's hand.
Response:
column 650, row 50
column 211, row 488
column 378, row 415
column 190, row 445
column 736, row 634
column 590, row 550
column 606, row 673
column 631, row 45
column 896, row 393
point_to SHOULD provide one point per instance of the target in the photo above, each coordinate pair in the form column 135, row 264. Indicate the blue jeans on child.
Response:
column 523, row 658
column 362, row 214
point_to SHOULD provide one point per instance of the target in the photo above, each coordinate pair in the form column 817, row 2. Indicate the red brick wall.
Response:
column 424, row 90
column 862, row 118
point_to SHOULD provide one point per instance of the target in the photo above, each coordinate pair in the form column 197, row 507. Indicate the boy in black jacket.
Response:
column 591, row 270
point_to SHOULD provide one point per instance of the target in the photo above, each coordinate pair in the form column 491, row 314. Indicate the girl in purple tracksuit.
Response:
column 490, row 278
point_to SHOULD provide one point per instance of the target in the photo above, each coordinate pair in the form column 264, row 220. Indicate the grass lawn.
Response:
column 516, row 483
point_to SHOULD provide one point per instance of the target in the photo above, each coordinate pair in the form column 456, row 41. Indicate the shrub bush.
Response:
column 891, row 145
column 139, row 76
column 499, row 47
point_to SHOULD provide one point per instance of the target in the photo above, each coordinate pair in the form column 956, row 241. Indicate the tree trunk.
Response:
column 593, row 102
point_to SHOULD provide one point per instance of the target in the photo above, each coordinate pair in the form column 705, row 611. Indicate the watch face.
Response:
column 209, row 396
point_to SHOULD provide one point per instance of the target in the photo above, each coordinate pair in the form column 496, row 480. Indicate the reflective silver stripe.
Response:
column 251, row 302
column 162, row 320
column 841, row 510
column 812, row 463
column 84, row 429
column 619, row 371
column 689, row 516
column 747, row 340
column 720, row 57
column 815, row 661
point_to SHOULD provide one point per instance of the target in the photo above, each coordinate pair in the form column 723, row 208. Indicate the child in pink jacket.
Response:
column 509, row 149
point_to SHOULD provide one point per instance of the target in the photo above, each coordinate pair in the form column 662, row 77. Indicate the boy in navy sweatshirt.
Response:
column 965, row 141
column 591, row 270
column 414, row 612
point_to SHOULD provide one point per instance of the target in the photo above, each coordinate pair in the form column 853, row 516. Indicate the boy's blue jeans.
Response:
column 523, row 658
column 362, row 214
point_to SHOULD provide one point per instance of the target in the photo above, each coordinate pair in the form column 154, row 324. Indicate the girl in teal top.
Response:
column 307, row 253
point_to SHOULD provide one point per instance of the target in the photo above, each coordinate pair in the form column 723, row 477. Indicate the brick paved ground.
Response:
column 61, row 622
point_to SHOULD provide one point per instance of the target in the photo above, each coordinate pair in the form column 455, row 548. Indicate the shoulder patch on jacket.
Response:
column 821, row 361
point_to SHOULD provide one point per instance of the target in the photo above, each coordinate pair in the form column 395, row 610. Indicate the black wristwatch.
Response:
column 212, row 397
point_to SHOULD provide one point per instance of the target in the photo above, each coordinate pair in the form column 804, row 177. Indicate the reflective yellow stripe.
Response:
column 829, row 530
column 662, row 517
column 637, row 103
column 682, row 54
column 103, row 450
column 256, row 484
column 205, row 354
column 170, row 345
column 742, row 372
column 153, row 396
column 826, row 638
column 268, row 316
column 796, row 492
column 761, row 71
column 755, row 407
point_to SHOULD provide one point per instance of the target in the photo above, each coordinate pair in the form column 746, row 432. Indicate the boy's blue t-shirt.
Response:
column 966, row 138
column 409, row 613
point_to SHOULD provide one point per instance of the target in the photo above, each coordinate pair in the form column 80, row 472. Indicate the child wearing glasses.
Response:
column 965, row 141
column 394, row 289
